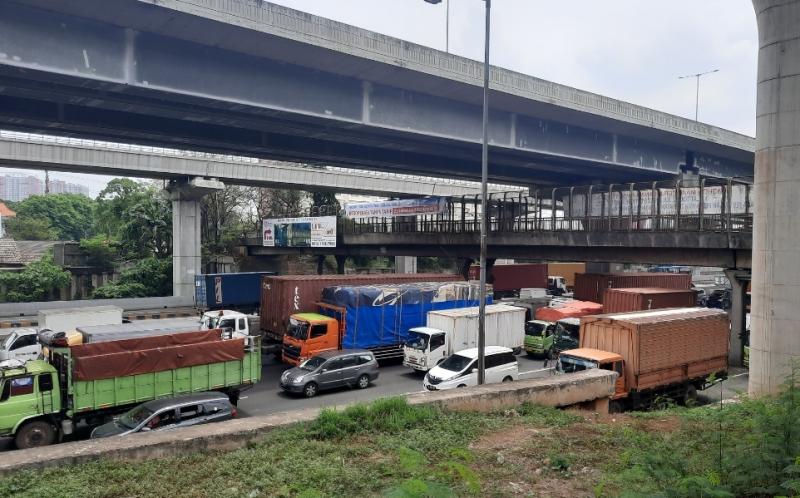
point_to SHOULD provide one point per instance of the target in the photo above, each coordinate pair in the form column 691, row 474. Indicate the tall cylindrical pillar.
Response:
column 775, row 315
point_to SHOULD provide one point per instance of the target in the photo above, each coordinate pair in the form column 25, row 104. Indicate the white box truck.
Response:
column 66, row 319
column 449, row 331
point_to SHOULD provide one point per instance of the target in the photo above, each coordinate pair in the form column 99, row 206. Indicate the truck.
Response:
column 592, row 286
column 658, row 354
column 449, row 331
column 647, row 298
column 539, row 337
column 138, row 328
column 64, row 319
column 373, row 317
column 43, row 400
column 508, row 280
column 230, row 291
column 284, row 295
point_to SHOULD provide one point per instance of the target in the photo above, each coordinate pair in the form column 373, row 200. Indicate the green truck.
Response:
column 43, row 400
column 539, row 337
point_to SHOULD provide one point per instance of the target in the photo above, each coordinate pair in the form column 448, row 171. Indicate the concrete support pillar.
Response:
column 320, row 265
column 775, row 320
column 405, row 264
column 186, row 234
column 340, row 262
column 739, row 280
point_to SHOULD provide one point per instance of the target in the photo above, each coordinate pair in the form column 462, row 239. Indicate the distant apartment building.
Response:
column 18, row 187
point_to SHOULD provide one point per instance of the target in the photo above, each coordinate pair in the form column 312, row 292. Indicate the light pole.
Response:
column 484, row 182
column 697, row 95
column 446, row 22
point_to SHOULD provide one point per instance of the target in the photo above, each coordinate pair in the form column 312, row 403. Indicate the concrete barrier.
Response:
column 557, row 390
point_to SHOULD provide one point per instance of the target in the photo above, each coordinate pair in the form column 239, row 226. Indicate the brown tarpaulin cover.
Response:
column 105, row 360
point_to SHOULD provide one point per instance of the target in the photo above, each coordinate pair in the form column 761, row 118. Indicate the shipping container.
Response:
column 507, row 280
column 285, row 295
column 138, row 328
column 592, row 286
column 566, row 270
column 65, row 319
column 568, row 309
column 672, row 347
column 642, row 299
column 229, row 291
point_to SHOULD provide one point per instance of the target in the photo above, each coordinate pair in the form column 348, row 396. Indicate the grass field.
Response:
column 389, row 448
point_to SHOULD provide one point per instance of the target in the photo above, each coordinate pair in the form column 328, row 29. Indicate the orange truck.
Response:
column 658, row 354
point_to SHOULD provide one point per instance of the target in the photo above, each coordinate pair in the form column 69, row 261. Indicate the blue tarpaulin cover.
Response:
column 381, row 315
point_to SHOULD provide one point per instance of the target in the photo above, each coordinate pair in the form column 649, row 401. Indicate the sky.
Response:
column 632, row 50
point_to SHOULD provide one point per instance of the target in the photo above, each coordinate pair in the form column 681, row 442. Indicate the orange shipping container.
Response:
column 592, row 286
column 641, row 299
column 284, row 295
column 662, row 347
column 571, row 309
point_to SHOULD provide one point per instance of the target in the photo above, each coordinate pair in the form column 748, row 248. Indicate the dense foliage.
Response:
column 34, row 283
column 148, row 277
column 69, row 216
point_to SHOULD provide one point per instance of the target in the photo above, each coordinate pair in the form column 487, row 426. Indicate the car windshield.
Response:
column 534, row 329
column 456, row 363
column 5, row 340
column 297, row 329
column 569, row 364
column 417, row 340
column 133, row 418
column 312, row 364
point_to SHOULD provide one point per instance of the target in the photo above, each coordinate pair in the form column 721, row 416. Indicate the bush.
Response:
column 100, row 251
column 35, row 283
column 390, row 416
column 148, row 278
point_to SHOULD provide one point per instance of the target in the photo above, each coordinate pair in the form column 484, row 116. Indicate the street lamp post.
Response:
column 484, row 182
column 446, row 22
column 697, row 94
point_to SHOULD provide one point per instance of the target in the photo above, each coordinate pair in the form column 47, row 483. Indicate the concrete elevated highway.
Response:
column 243, row 77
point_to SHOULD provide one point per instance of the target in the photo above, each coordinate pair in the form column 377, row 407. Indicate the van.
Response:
column 461, row 369
column 19, row 344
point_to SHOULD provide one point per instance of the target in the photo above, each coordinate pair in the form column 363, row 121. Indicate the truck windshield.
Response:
column 297, row 329
column 417, row 340
column 568, row 330
column 456, row 363
column 535, row 329
column 312, row 364
column 569, row 364
column 5, row 341
column 133, row 418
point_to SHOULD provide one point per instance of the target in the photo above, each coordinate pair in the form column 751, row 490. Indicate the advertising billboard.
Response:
column 402, row 207
column 318, row 231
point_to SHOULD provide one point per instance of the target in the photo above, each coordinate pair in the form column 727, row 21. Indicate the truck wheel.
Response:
column 36, row 433
column 516, row 351
column 363, row 382
column 233, row 396
column 689, row 395
column 551, row 354
column 310, row 390
column 508, row 379
column 615, row 407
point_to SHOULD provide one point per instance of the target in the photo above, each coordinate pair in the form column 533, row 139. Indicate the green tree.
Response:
column 222, row 215
column 147, row 227
column 325, row 202
column 70, row 215
column 30, row 228
column 114, row 201
column 35, row 283
column 101, row 251
column 147, row 278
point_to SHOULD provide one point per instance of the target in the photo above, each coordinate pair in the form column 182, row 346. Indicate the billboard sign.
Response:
column 388, row 209
column 318, row 231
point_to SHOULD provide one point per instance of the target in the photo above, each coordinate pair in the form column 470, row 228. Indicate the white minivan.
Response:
column 461, row 369
column 19, row 344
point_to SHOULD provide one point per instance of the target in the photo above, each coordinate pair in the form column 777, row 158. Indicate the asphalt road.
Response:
column 395, row 379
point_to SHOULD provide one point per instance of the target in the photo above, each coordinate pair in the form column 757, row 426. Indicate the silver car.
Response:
column 170, row 413
column 331, row 369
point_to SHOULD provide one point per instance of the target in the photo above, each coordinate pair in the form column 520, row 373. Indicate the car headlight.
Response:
column 297, row 380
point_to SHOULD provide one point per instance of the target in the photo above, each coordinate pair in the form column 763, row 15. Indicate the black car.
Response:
column 170, row 413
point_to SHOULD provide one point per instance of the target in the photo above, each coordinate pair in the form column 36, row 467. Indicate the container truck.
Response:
column 284, row 295
column 62, row 320
column 231, row 291
column 449, row 331
column 138, row 328
column 659, row 354
column 40, row 401
column 647, row 298
column 374, row 317
column 567, row 271
column 507, row 280
column 592, row 286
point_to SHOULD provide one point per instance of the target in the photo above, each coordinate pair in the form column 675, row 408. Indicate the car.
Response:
column 329, row 370
column 461, row 369
column 170, row 413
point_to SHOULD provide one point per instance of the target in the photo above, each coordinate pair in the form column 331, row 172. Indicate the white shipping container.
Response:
column 66, row 319
column 505, row 326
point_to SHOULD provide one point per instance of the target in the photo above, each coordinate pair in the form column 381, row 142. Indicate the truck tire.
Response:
column 689, row 396
column 310, row 390
column 233, row 397
column 363, row 382
column 517, row 351
column 550, row 354
column 508, row 379
column 34, row 434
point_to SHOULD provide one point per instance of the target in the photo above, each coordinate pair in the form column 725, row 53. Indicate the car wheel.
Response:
column 34, row 434
column 508, row 378
column 363, row 382
column 310, row 390
column 551, row 354
column 462, row 385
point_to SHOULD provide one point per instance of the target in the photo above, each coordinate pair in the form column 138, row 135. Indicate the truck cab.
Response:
column 309, row 334
column 539, row 337
column 20, row 344
column 575, row 360
column 567, row 334
column 556, row 285
column 232, row 323
column 29, row 393
column 425, row 348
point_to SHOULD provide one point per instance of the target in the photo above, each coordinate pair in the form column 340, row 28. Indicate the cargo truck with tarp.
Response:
column 374, row 317
column 42, row 400
column 658, row 354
